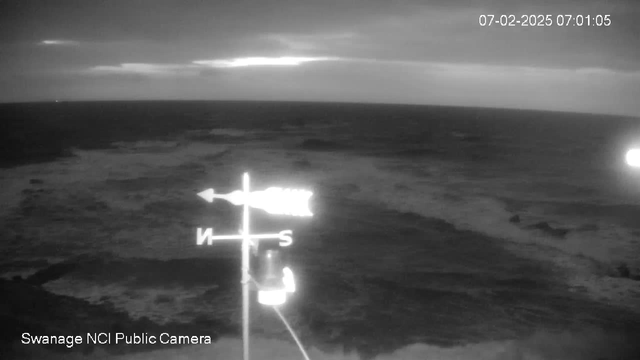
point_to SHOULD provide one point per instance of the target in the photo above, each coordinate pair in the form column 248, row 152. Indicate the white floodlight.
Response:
column 272, row 297
column 633, row 158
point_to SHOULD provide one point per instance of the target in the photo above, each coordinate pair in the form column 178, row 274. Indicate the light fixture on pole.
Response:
column 633, row 157
column 270, row 277
column 276, row 281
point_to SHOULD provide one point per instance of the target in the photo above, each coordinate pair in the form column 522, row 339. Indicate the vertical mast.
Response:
column 245, row 267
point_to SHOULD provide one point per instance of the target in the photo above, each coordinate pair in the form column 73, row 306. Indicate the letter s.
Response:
column 285, row 238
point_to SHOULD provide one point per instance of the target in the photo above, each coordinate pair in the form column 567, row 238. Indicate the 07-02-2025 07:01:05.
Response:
column 544, row 20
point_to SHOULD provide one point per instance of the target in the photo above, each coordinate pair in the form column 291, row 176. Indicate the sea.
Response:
column 437, row 232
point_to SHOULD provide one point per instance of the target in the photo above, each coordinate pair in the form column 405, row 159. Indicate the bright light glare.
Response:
column 259, row 61
column 633, row 157
column 272, row 297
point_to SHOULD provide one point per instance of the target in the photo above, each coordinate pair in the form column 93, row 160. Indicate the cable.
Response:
column 304, row 353
column 293, row 334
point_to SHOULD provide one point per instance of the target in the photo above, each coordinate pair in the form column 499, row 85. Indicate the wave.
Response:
column 158, row 222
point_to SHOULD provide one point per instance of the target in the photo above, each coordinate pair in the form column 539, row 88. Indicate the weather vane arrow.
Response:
column 208, row 195
column 274, row 200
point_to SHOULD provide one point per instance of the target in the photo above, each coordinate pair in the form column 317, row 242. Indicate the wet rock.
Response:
column 546, row 228
column 543, row 225
column 588, row 227
column 623, row 271
column 163, row 299
column 515, row 219
column 51, row 273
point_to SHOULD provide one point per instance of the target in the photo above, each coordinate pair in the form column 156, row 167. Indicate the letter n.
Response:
column 206, row 235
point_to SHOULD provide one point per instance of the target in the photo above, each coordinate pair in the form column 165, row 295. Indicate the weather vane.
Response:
column 277, row 281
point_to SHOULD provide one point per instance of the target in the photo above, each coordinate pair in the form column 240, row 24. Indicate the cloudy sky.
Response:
column 421, row 52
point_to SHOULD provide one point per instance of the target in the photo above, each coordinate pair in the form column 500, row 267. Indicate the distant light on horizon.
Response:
column 633, row 157
column 58, row 42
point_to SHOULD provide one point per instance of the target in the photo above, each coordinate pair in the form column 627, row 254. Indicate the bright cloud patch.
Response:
column 59, row 42
column 196, row 67
column 143, row 69
column 259, row 61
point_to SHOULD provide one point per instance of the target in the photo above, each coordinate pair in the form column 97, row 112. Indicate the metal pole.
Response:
column 245, row 268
